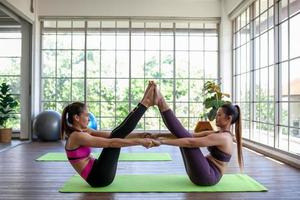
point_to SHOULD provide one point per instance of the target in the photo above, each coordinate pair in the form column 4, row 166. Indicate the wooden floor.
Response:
column 23, row 178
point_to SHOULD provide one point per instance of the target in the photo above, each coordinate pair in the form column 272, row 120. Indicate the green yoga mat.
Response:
column 165, row 183
column 61, row 156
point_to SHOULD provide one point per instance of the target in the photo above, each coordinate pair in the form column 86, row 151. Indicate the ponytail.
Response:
column 235, row 112
column 64, row 124
column 238, row 135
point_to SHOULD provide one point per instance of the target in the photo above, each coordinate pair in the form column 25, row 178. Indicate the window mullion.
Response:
column 85, row 61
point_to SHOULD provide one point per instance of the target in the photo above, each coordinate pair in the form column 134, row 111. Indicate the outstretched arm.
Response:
column 98, row 133
column 106, row 134
column 172, row 136
column 203, row 133
column 209, row 140
column 103, row 134
column 139, row 135
column 150, row 135
column 163, row 135
column 82, row 139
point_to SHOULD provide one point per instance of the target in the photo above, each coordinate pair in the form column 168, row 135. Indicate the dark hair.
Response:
column 68, row 113
column 235, row 112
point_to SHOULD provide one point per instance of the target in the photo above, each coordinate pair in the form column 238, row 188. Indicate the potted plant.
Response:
column 214, row 99
column 8, row 105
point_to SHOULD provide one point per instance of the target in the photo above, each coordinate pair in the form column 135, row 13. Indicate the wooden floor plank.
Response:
column 21, row 177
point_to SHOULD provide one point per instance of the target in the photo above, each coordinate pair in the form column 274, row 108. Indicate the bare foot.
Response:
column 148, row 96
column 159, row 99
column 147, row 88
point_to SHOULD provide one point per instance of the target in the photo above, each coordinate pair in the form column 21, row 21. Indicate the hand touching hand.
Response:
column 155, row 143
column 148, row 143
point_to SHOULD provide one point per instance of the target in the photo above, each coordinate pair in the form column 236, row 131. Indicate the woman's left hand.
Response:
column 155, row 143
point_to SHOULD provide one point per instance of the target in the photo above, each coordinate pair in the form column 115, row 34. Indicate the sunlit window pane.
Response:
column 284, row 77
column 78, row 63
column 108, row 63
column 196, row 65
column 63, row 89
column 182, row 64
column 283, row 45
column 167, row 64
column 122, row 65
column 49, row 41
column 295, row 80
column 93, row 41
column 264, row 48
column 64, row 40
column 48, row 63
column 93, row 89
column 10, row 47
column 78, row 41
column 283, row 9
column 211, row 64
column 93, row 63
column 294, row 36
column 77, row 89
column 108, row 41
column 272, row 57
column 137, row 64
column 63, row 63
column 151, row 64
column 197, row 42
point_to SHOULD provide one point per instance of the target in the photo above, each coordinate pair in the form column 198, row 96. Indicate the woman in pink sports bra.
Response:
column 101, row 172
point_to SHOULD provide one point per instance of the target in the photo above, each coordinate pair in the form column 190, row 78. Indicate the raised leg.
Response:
column 104, row 169
column 198, row 168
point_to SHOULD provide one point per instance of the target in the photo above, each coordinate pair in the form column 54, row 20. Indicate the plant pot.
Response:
column 204, row 126
column 5, row 135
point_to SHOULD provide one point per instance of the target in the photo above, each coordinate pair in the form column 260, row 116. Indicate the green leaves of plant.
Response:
column 212, row 114
column 7, row 104
column 214, row 98
column 214, row 103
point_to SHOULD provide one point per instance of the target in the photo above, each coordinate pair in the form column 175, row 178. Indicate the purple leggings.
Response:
column 200, row 170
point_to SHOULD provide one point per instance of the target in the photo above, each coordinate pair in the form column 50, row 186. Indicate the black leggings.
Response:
column 104, row 168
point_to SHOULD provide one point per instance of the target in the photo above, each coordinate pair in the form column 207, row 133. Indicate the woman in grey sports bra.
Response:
column 203, row 170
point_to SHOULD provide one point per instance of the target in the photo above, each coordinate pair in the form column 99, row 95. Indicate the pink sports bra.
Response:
column 82, row 152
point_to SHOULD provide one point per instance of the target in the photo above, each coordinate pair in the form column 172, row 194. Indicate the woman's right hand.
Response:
column 148, row 143
column 155, row 143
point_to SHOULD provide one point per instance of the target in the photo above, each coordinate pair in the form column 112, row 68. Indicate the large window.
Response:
column 107, row 64
column 10, row 66
column 267, row 72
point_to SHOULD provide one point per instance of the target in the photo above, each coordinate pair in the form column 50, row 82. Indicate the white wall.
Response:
column 153, row 8
column 157, row 8
column 225, row 50
column 35, row 85
column 26, row 18
column 226, row 7
column 21, row 7
column 229, row 5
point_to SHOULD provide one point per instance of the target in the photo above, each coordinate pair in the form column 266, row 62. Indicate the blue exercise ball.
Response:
column 47, row 125
column 92, row 123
